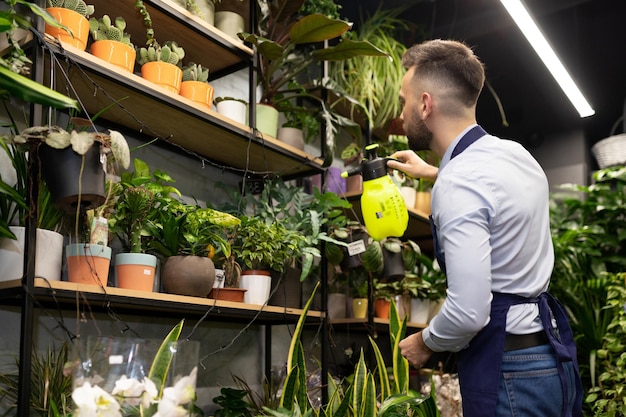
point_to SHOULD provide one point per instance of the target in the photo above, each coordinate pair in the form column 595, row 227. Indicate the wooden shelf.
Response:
column 362, row 324
column 203, row 43
column 145, row 107
column 55, row 293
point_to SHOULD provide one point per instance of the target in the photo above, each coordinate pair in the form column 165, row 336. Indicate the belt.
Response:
column 522, row 341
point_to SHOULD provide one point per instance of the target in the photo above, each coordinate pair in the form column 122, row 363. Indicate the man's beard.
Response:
column 419, row 136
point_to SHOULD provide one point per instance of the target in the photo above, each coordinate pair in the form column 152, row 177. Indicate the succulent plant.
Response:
column 169, row 52
column 79, row 6
column 103, row 29
column 195, row 72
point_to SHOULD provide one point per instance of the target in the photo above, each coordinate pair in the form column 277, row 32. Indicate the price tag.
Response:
column 116, row 359
column 356, row 247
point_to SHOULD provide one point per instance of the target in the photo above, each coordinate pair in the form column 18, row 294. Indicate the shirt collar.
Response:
column 447, row 155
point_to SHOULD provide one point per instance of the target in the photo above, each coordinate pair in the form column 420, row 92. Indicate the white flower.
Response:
column 183, row 392
column 94, row 402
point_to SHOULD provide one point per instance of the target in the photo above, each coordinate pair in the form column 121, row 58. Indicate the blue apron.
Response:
column 480, row 363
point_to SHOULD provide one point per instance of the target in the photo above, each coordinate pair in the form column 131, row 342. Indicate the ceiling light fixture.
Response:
column 531, row 31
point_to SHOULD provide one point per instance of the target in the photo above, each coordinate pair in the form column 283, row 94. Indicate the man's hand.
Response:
column 415, row 350
column 412, row 165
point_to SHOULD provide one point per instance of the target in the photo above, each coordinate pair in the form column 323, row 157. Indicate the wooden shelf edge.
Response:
column 147, row 299
column 377, row 321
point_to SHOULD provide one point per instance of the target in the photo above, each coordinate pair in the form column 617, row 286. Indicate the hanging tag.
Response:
column 356, row 247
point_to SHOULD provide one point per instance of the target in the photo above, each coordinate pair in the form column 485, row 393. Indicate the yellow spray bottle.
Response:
column 383, row 207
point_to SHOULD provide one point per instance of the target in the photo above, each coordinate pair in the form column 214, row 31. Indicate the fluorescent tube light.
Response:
column 531, row 31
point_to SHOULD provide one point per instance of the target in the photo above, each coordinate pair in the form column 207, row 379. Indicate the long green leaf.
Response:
column 290, row 388
column 347, row 49
column 298, row 330
column 358, row 386
column 383, row 376
column 163, row 359
column 28, row 90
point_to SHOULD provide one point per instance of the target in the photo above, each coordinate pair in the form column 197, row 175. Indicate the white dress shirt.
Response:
column 490, row 205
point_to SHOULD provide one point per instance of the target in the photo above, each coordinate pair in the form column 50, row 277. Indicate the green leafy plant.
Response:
column 195, row 72
column 265, row 244
column 232, row 403
column 170, row 52
column 288, row 44
column 104, row 29
column 79, row 6
column 14, row 207
column 609, row 397
column 589, row 237
column 369, row 79
column 368, row 394
column 51, row 387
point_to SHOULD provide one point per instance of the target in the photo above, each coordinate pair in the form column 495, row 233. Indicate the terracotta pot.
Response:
column 197, row 91
column 116, row 53
column 163, row 74
column 88, row 263
column 135, row 271
column 381, row 307
column 75, row 22
column 228, row 294
column 188, row 275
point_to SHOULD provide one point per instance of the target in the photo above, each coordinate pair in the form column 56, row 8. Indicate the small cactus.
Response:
column 169, row 52
column 79, row 6
column 103, row 29
column 195, row 72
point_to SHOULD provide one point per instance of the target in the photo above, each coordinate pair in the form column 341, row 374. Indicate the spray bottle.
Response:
column 383, row 207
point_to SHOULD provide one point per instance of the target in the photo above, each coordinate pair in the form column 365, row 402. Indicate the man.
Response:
column 492, row 237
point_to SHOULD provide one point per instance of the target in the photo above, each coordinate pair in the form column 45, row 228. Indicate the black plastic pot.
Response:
column 61, row 170
column 353, row 261
column 393, row 266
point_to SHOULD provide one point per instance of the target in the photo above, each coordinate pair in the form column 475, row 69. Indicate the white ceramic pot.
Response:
column 233, row 109
column 409, row 194
column 48, row 255
column 205, row 10
column 420, row 311
column 258, row 284
column 230, row 23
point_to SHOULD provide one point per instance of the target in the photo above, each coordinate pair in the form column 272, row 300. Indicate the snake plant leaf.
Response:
column 383, row 376
column 295, row 338
column 163, row 359
column 347, row 48
column 421, row 406
column 358, row 385
column 28, row 90
column 317, row 28
column 290, row 388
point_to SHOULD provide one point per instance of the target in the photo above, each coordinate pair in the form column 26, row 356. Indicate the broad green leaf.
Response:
column 28, row 90
column 347, row 49
column 163, row 359
column 317, row 28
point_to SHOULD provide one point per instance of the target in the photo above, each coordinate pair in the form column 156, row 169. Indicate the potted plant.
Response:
column 187, row 237
column 233, row 108
column 111, row 42
column 72, row 15
column 358, row 280
column 261, row 246
column 195, row 85
column 81, row 181
column 136, row 204
column 14, row 187
column 159, row 64
column 282, row 34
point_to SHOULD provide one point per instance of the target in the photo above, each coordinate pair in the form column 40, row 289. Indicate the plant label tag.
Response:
column 116, row 359
column 356, row 247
